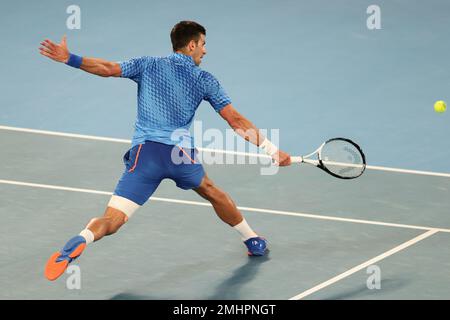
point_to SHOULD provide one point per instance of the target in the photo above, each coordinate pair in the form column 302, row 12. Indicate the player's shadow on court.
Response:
column 133, row 296
column 227, row 289
column 230, row 288
column 362, row 292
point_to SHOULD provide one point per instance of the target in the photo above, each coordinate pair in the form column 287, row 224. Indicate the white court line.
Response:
column 205, row 204
column 365, row 264
column 62, row 134
column 98, row 138
column 423, row 173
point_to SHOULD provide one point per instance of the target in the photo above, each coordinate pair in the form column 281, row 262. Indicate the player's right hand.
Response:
column 55, row 51
column 281, row 158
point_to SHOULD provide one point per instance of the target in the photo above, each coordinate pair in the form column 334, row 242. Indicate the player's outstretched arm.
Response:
column 60, row 53
column 247, row 130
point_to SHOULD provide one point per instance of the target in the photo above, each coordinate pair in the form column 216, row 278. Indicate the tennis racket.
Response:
column 340, row 157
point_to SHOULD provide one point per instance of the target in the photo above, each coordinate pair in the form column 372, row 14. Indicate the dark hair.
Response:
column 185, row 31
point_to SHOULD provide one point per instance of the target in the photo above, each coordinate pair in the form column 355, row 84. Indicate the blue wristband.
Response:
column 74, row 61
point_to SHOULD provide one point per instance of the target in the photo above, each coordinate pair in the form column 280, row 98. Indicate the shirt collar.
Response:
column 179, row 57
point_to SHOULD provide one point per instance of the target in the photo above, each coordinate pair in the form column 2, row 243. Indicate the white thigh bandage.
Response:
column 123, row 204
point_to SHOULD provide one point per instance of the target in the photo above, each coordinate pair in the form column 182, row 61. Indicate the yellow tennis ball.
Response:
column 440, row 106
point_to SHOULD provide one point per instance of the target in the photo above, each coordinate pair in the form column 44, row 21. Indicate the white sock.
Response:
column 244, row 230
column 88, row 235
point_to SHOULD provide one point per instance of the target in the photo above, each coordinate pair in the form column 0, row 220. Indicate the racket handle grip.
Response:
column 296, row 159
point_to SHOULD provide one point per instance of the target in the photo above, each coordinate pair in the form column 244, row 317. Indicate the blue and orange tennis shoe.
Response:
column 59, row 261
column 256, row 246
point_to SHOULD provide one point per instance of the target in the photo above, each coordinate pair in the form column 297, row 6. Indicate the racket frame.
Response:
column 319, row 162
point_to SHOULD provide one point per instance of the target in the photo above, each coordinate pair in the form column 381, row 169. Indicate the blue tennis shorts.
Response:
column 147, row 164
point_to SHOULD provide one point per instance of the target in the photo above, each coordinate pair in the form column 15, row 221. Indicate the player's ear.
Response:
column 191, row 45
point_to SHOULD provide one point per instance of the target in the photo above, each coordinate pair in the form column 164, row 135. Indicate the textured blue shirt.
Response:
column 170, row 89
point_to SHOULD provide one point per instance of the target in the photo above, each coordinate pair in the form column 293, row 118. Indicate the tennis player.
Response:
column 169, row 91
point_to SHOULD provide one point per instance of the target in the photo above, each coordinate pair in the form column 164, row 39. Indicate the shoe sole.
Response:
column 258, row 254
column 54, row 269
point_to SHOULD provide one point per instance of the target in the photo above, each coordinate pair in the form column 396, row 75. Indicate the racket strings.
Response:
column 342, row 158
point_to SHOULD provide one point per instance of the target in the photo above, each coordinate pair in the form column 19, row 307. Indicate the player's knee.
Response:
column 207, row 188
column 214, row 193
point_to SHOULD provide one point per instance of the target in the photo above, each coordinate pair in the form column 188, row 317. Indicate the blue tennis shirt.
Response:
column 170, row 89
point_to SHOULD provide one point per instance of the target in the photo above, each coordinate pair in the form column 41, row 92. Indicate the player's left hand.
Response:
column 55, row 51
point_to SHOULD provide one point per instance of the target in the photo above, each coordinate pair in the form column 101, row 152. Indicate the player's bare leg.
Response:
column 96, row 229
column 227, row 211
column 107, row 225
column 221, row 202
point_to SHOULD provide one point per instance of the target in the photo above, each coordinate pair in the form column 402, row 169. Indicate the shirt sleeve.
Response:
column 133, row 68
column 214, row 93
